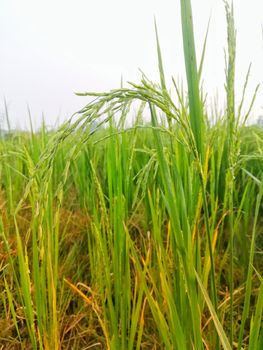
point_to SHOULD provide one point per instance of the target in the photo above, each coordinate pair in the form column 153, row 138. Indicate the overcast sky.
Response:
column 53, row 48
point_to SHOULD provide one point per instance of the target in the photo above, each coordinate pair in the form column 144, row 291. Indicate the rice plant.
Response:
column 147, row 236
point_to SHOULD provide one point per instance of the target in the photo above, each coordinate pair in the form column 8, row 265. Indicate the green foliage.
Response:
column 135, row 237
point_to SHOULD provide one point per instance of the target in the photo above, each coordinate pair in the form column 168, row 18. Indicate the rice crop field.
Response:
column 136, row 235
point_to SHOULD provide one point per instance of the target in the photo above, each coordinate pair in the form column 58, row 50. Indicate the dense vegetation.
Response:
column 146, row 236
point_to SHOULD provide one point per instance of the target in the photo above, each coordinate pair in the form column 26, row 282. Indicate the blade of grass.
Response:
column 221, row 333
column 196, row 114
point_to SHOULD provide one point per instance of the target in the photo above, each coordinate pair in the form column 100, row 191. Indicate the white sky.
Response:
column 51, row 48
